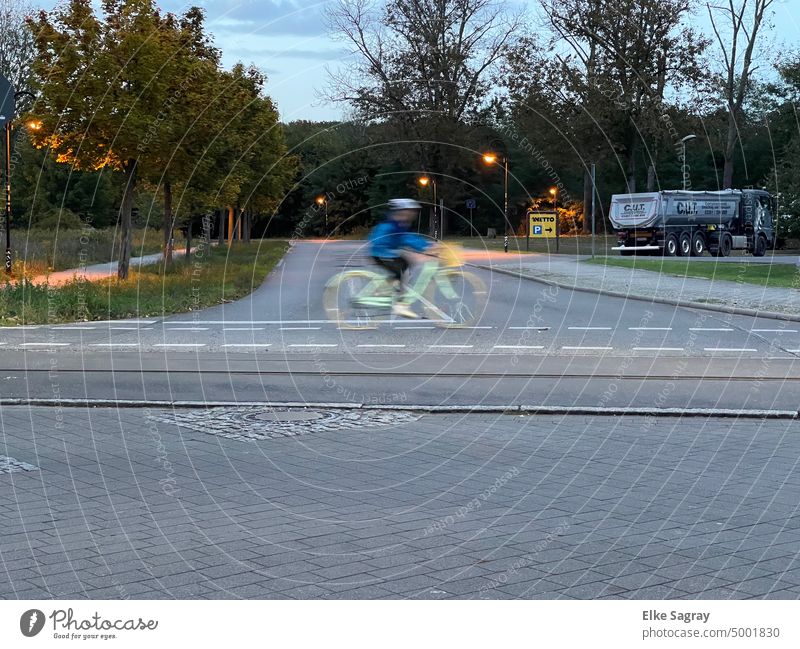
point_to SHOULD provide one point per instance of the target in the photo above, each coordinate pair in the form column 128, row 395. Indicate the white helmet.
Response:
column 404, row 204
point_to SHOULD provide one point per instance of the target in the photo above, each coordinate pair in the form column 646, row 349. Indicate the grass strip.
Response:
column 210, row 276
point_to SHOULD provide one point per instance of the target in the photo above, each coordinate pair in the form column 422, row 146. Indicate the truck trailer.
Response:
column 687, row 223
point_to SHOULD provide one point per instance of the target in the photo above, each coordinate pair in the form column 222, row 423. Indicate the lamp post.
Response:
column 683, row 142
column 424, row 181
column 322, row 200
column 554, row 194
column 491, row 157
column 8, row 110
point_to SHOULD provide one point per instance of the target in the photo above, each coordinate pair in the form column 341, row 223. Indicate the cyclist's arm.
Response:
column 417, row 242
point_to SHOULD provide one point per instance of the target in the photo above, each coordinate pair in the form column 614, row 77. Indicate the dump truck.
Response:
column 688, row 223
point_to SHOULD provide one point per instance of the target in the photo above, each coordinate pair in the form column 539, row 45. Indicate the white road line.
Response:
column 313, row 345
column 376, row 345
column 518, row 347
column 246, row 345
column 185, row 328
column 658, row 349
column 774, row 331
column 460, row 327
column 729, row 349
column 649, row 328
column 536, row 328
column 450, row 346
column 791, row 351
column 113, row 344
column 299, row 328
column 710, row 329
column 179, row 345
column 590, row 328
column 43, row 344
column 592, row 348
column 243, row 329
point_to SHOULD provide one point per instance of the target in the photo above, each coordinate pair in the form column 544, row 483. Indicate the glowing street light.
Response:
column 425, row 181
column 490, row 158
column 322, row 200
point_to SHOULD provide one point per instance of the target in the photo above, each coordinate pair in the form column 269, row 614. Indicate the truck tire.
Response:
column 684, row 245
column 760, row 247
column 698, row 244
column 725, row 245
column 671, row 246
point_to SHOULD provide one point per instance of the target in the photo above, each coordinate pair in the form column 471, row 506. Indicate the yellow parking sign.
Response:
column 542, row 225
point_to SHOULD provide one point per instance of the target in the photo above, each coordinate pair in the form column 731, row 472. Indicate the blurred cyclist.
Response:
column 389, row 238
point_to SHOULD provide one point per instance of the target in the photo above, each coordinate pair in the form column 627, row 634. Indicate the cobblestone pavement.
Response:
column 643, row 283
column 123, row 504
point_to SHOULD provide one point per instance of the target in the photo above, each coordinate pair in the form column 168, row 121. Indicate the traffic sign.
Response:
column 471, row 203
column 542, row 225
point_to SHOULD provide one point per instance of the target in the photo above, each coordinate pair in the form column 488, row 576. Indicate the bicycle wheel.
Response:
column 341, row 299
column 455, row 298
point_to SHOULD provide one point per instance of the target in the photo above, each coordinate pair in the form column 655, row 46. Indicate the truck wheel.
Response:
column 671, row 246
column 760, row 248
column 698, row 244
column 685, row 245
column 725, row 245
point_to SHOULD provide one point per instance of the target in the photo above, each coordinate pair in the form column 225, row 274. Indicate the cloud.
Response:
column 278, row 17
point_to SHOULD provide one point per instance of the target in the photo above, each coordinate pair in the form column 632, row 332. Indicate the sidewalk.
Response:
column 573, row 271
column 99, row 271
column 242, row 503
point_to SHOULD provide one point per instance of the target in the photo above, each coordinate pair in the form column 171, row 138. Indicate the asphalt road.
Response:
column 534, row 345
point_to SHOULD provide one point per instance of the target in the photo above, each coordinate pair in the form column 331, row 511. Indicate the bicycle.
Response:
column 450, row 297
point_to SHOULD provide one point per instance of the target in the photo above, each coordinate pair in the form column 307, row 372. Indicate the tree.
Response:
column 101, row 81
column 17, row 48
column 630, row 54
column 423, row 70
column 736, row 29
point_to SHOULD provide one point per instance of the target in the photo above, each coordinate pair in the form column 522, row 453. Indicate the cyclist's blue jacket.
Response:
column 390, row 236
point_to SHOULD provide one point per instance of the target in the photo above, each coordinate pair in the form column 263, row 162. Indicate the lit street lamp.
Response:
column 424, row 181
column 8, row 99
column 321, row 200
column 683, row 142
column 491, row 157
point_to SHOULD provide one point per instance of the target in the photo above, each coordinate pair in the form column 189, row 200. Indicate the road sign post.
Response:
column 471, row 205
column 594, row 191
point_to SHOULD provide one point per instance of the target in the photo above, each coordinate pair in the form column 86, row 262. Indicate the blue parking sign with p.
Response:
column 537, row 229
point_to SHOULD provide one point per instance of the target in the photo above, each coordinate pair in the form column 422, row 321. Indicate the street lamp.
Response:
column 554, row 194
column 424, row 181
column 491, row 157
column 322, row 200
column 34, row 125
column 683, row 142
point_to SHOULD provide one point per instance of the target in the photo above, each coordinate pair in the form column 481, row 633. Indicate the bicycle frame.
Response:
column 429, row 271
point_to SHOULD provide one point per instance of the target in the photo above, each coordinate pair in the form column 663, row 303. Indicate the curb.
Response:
column 791, row 317
column 521, row 409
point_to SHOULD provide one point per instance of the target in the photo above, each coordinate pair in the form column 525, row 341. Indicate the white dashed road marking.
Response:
column 518, row 347
column 775, row 331
column 710, row 329
column 588, row 348
column 590, row 328
column 658, row 349
column 729, row 349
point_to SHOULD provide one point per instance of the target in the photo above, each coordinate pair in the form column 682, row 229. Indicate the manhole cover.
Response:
column 288, row 415
column 268, row 423
column 12, row 465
